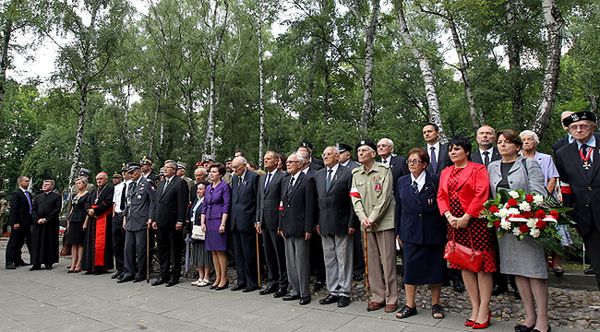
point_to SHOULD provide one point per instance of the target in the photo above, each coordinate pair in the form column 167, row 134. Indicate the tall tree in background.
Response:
column 370, row 32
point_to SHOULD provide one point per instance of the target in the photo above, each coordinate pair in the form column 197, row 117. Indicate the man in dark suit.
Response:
column 168, row 215
column 487, row 152
column 315, row 164
column 336, row 223
column 267, row 221
column 244, row 187
column 147, row 171
column 438, row 152
column 345, row 156
column 21, row 204
column 578, row 164
column 397, row 164
column 296, row 230
column 565, row 140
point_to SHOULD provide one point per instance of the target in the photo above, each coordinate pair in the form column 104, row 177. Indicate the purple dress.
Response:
column 216, row 203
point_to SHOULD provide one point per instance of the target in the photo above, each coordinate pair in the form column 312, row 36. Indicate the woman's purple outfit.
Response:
column 216, row 203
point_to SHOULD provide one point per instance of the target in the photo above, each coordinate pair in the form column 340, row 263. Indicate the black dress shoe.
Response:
column 172, row 283
column 268, row 290
column 343, row 301
column 250, row 289
column 238, row 287
column 523, row 328
column 117, row 274
column 305, row 300
column 159, row 282
column 222, row 287
column 290, row 297
column 125, row 277
column 139, row 278
column 280, row 293
column 35, row 268
column 11, row 267
column 329, row 299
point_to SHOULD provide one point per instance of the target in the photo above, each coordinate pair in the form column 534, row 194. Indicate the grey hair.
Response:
column 388, row 141
column 535, row 137
column 297, row 155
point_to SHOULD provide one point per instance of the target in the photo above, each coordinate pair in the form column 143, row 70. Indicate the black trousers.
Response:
column 244, row 248
column 592, row 248
column 135, row 253
column 118, row 235
column 170, row 246
column 317, row 260
column 15, row 243
column 358, row 254
column 275, row 257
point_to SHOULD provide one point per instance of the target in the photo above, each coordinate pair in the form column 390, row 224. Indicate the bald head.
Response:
column 564, row 115
column 238, row 165
column 101, row 179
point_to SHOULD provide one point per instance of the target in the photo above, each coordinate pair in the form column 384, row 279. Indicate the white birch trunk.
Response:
column 370, row 32
column 261, row 91
column 209, row 145
column 75, row 161
column 554, row 24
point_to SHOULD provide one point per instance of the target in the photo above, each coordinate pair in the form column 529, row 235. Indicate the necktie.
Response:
column 240, row 181
column 328, row 180
column 267, row 181
column 415, row 187
column 291, row 185
column 123, row 197
column 433, row 159
column 166, row 185
column 28, row 195
column 384, row 161
column 486, row 158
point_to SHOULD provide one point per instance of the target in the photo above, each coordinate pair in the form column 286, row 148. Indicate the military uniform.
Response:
column 372, row 198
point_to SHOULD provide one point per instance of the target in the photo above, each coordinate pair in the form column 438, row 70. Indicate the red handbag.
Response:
column 458, row 254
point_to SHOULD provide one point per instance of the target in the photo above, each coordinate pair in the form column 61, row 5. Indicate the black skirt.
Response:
column 424, row 264
column 75, row 233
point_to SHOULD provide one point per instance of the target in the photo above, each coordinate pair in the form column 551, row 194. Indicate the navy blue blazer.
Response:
column 243, row 202
column 417, row 216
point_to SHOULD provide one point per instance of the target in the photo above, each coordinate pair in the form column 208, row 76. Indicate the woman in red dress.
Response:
column 464, row 187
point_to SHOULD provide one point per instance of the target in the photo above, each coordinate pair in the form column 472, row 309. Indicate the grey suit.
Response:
column 267, row 217
column 140, row 197
column 530, row 179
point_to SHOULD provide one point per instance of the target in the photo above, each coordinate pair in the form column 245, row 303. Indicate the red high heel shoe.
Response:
column 469, row 322
column 484, row 325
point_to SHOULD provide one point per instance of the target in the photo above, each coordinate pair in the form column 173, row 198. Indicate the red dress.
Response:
column 482, row 240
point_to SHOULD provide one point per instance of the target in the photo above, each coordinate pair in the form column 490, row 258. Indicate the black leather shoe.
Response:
column 523, row 328
column 117, row 275
column 343, row 301
column 329, row 299
column 238, row 287
column 268, row 290
column 125, row 277
column 250, row 289
column 290, row 297
column 11, row 267
column 171, row 283
column 35, row 268
column 280, row 293
column 139, row 279
column 222, row 287
column 305, row 300
column 159, row 282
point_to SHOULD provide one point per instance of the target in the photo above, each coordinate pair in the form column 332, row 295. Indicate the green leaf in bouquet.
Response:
column 503, row 195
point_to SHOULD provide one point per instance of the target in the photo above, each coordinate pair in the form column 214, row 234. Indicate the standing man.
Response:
column 244, row 187
column 181, row 168
column 267, row 222
column 336, row 224
column 578, row 165
column 140, row 195
column 118, row 233
column 97, row 251
column 44, row 232
column 296, row 230
column 487, row 152
column 168, row 213
column 315, row 164
column 147, row 171
column 345, row 156
column 396, row 164
column 21, row 205
column 374, row 205
column 438, row 152
column 199, row 177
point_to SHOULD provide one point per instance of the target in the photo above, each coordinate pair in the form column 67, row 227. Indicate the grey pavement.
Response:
column 56, row 301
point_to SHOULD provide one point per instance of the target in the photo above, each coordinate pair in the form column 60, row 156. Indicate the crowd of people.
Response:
column 335, row 218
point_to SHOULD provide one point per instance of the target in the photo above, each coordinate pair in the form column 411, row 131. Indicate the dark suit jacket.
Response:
column 560, row 143
column 443, row 159
column 316, row 164
column 398, row 167
column 417, row 216
column 267, row 201
column 170, row 204
column 243, row 202
column 476, row 156
column 585, row 197
column 333, row 210
column 293, row 220
column 19, row 209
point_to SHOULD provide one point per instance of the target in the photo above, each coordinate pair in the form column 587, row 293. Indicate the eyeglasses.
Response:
column 579, row 127
column 292, row 161
column 414, row 161
column 171, row 167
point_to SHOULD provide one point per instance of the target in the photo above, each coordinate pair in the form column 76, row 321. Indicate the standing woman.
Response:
column 464, row 187
column 524, row 259
column 214, row 213
column 200, row 257
column 75, row 234
column 421, row 232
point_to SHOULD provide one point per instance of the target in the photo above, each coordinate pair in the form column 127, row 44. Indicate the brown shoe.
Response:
column 389, row 308
column 372, row 306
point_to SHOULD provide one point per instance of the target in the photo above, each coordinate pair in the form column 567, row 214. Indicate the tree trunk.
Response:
column 514, row 50
column 370, row 31
column 75, row 166
column 426, row 71
column 261, row 91
column 554, row 24
column 209, row 144
column 6, row 34
column 476, row 117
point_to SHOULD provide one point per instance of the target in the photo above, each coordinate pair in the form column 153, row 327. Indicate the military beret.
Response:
column 181, row 165
column 117, row 176
column 579, row 116
column 84, row 172
column 343, row 147
column 368, row 143
column 146, row 161
column 133, row 166
column 306, row 145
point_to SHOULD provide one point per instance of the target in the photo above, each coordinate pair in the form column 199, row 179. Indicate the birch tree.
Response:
column 370, row 32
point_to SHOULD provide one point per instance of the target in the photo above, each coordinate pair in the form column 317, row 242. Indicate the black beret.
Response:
column 579, row 116
column 368, row 143
column 306, row 145
column 133, row 166
column 343, row 147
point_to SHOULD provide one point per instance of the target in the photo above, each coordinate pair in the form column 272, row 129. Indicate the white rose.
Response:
column 524, row 206
column 503, row 213
column 513, row 211
column 513, row 194
column 531, row 222
column 516, row 231
column 538, row 199
column 534, row 232
column 505, row 224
